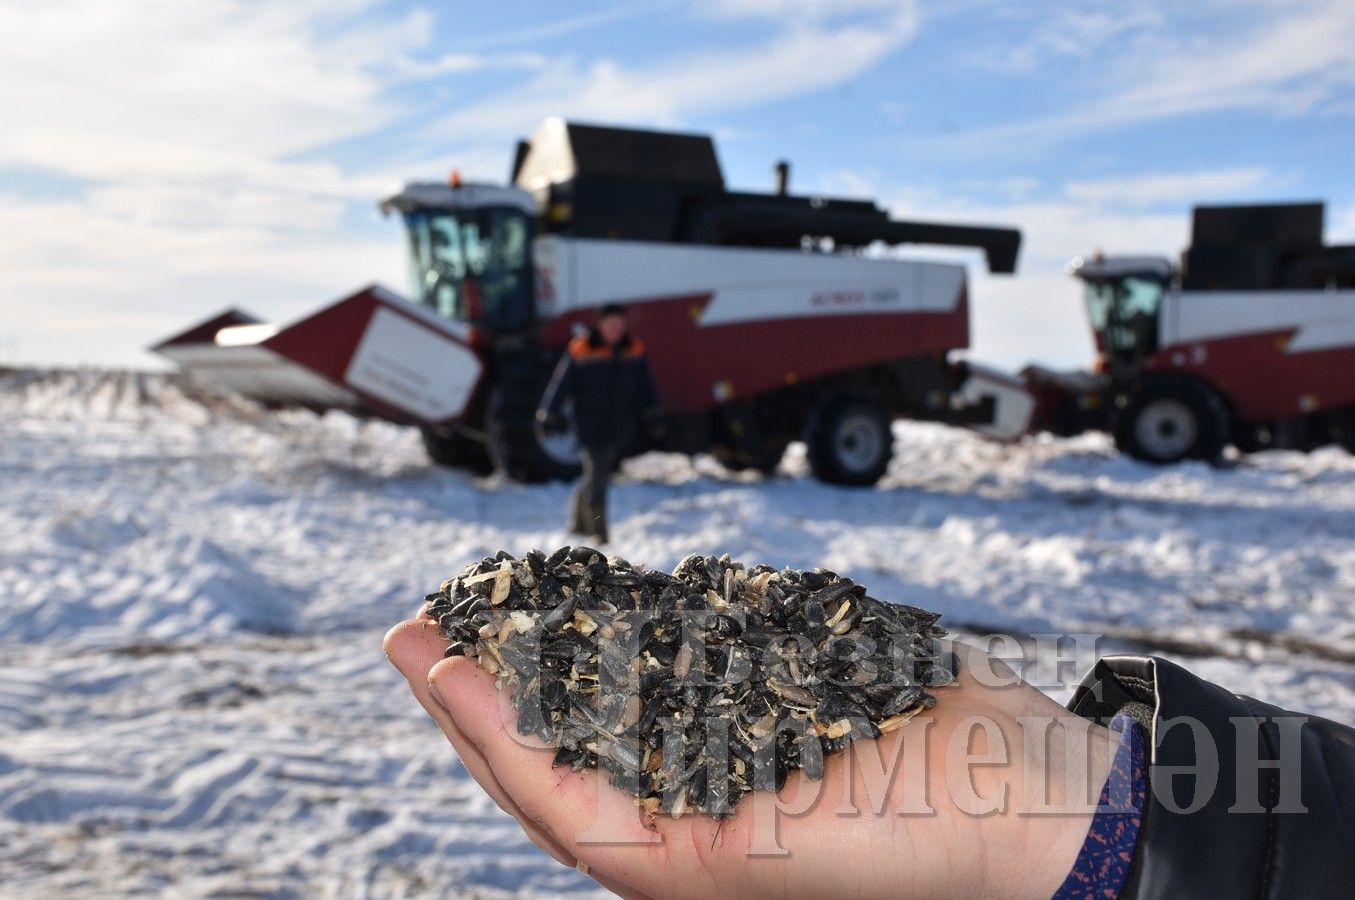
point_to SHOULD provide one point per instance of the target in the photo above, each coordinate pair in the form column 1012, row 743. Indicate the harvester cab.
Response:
column 469, row 251
column 1123, row 297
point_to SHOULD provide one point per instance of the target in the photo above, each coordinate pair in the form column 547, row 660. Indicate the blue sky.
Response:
column 165, row 158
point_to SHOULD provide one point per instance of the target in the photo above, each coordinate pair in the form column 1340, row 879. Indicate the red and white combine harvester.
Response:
column 1251, row 342
column 771, row 318
column 764, row 318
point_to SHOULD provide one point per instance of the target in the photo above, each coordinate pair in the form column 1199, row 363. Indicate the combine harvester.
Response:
column 1251, row 342
column 765, row 322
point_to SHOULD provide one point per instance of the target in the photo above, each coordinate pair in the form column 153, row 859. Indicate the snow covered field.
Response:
column 193, row 593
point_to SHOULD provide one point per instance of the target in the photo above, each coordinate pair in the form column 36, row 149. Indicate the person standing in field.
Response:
column 606, row 375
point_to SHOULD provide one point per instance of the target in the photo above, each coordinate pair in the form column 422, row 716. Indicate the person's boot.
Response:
column 580, row 522
column 595, row 522
column 599, row 524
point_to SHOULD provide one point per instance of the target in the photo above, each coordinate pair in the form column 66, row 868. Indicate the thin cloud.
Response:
column 457, row 63
column 1284, row 60
column 193, row 134
column 104, row 91
column 1080, row 32
column 1163, row 187
column 571, row 25
column 800, row 58
column 791, row 9
column 179, row 125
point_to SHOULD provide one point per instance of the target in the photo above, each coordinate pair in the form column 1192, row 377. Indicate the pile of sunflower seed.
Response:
column 691, row 689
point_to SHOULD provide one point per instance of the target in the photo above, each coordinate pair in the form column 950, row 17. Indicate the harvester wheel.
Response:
column 1171, row 419
column 519, row 447
column 457, row 451
column 850, row 441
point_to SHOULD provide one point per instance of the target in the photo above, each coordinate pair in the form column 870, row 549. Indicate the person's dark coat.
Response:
column 612, row 390
column 1247, row 838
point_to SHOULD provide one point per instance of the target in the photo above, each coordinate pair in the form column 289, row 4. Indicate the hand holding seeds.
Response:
column 734, row 730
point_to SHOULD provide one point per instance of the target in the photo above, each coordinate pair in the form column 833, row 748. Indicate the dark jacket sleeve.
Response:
column 561, row 387
column 1217, row 824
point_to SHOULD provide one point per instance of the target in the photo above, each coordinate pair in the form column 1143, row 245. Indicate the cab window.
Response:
column 1123, row 313
column 472, row 264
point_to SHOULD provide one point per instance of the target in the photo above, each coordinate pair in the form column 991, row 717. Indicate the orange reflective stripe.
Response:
column 581, row 349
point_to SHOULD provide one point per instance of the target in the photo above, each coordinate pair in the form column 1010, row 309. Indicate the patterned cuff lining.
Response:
column 1103, row 863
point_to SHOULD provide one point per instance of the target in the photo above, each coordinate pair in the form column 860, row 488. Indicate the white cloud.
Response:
column 1285, row 59
column 793, row 9
column 848, row 183
column 456, row 63
column 810, row 52
column 1287, row 63
column 199, row 129
column 1079, row 32
column 1159, row 187
column 185, row 87
column 85, row 286
column 571, row 24
column 1341, row 224
column 185, row 119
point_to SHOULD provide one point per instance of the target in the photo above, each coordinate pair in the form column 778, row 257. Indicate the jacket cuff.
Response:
column 1215, row 822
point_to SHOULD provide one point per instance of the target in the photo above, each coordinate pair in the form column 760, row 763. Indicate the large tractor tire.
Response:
column 1168, row 420
column 517, row 445
column 850, row 441
column 457, row 451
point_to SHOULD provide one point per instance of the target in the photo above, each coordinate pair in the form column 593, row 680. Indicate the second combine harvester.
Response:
column 1250, row 341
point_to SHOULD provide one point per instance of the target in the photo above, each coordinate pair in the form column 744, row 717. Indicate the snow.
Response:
column 193, row 592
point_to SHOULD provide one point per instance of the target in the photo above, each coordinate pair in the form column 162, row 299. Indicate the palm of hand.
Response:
column 906, row 815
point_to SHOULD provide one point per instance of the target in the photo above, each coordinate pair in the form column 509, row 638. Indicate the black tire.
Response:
column 516, row 443
column 1168, row 420
column 850, row 441
column 457, row 451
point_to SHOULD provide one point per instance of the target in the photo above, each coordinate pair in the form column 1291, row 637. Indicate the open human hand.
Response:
column 989, row 793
